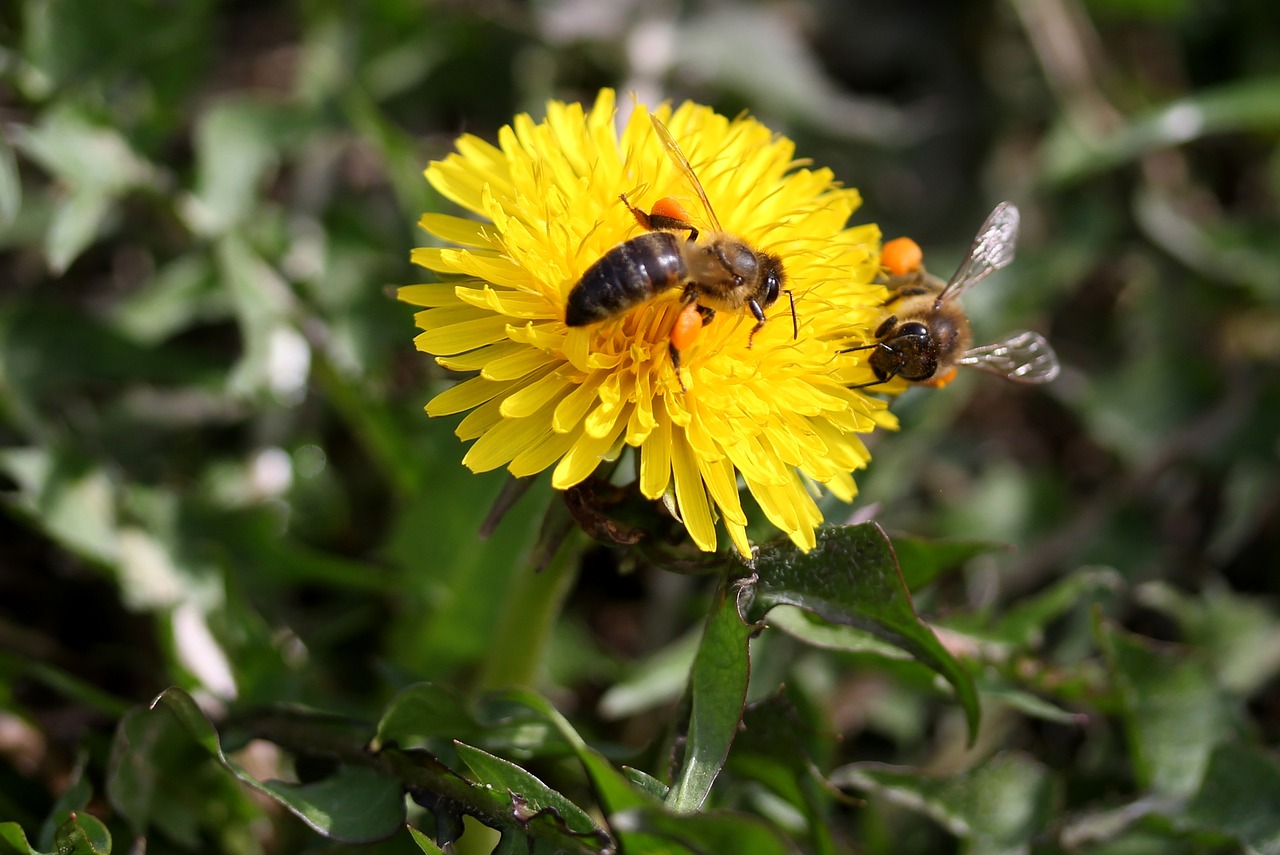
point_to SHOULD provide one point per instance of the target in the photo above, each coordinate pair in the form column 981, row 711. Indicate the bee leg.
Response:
column 667, row 215
column 692, row 318
column 641, row 217
column 877, row 382
column 760, row 319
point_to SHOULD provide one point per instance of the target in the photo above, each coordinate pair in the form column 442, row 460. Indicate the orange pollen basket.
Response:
column 941, row 380
column 901, row 256
column 684, row 332
column 670, row 209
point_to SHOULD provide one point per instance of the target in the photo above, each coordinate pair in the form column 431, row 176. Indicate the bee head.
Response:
column 771, row 278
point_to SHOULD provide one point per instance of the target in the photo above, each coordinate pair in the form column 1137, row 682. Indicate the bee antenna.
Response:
column 795, row 322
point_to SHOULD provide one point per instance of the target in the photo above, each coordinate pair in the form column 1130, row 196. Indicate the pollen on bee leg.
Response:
column 684, row 332
column 943, row 379
column 667, row 208
column 901, row 256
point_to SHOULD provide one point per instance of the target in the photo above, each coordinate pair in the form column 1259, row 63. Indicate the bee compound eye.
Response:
column 913, row 329
column 772, row 287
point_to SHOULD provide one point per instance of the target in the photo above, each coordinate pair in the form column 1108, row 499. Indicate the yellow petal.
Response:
column 504, row 441
column 531, row 397
column 465, row 395
column 581, row 460
column 458, row 230
column 691, row 495
column 655, row 461
column 460, row 337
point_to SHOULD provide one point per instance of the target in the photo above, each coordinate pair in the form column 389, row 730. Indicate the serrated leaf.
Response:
column 717, row 690
column 999, row 807
column 1174, row 711
column 851, row 577
column 616, row 789
column 529, row 796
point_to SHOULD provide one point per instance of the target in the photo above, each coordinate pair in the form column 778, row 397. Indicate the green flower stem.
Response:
column 533, row 604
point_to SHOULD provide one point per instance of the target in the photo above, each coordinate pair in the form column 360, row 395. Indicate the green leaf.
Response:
column 1022, row 626
column 237, row 144
column 354, row 805
column 13, row 840
column 77, row 220
column 426, row 715
column 646, row 782
column 658, row 680
column 83, row 834
column 1174, row 711
column 529, row 796
column 617, row 790
column 1247, row 105
column 426, row 844
column 1240, row 797
column 776, row 749
column 923, row 560
column 851, row 577
column 816, row 632
column 653, row 830
column 999, row 807
column 82, row 153
column 422, row 714
column 996, row 689
column 718, row 689
column 74, row 504
column 1239, row 634
column 10, row 187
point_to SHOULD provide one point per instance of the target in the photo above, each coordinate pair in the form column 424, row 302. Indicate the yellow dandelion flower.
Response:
column 773, row 412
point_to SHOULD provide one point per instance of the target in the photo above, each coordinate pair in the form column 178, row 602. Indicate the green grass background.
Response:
column 216, row 472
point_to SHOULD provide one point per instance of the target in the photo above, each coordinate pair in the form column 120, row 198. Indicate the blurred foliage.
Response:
column 217, row 476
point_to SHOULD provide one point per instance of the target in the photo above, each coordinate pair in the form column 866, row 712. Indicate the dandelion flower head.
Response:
column 773, row 413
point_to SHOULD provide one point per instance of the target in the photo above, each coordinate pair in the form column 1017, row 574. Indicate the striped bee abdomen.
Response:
column 626, row 276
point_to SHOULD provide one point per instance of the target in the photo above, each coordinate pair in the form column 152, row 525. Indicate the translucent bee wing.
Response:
column 992, row 249
column 1024, row 357
column 686, row 170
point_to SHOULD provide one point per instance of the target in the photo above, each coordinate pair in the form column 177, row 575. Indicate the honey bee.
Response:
column 926, row 337
column 721, row 273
